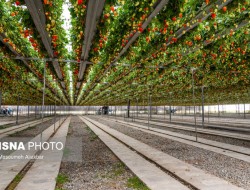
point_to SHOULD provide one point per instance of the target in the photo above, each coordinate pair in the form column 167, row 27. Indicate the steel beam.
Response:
column 82, row 71
column 37, row 13
column 94, row 11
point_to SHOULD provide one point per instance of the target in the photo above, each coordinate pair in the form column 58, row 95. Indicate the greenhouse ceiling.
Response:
column 96, row 52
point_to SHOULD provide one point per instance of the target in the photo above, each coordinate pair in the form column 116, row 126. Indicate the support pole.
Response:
column 28, row 110
column 202, row 99
column 170, row 115
column 17, row 110
column 164, row 112
column 238, row 108
column 137, row 107
column 128, row 109
column 218, row 108
column 150, row 107
column 244, row 111
column 115, row 111
column 0, row 99
column 196, row 138
column 55, row 116
column 170, row 108
column 185, row 110
column 44, row 83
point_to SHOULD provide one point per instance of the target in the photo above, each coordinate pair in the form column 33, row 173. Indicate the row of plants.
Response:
column 19, row 38
column 119, row 22
column 15, row 78
column 60, row 38
column 158, row 62
column 171, row 83
column 176, row 7
column 238, row 72
column 20, row 33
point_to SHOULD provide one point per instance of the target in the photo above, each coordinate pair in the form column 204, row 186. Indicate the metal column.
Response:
column 196, row 138
column 44, row 83
column 202, row 99
column 55, row 116
column 185, row 110
column 128, row 109
column 170, row 116
column 115, row 111
column 28, row 110
column 137, row 107
column 17, row 110
column 150, row 106
column 238, row 108
column 0, row 100
column 218, row 108
column 244, row 111
column 164, row 112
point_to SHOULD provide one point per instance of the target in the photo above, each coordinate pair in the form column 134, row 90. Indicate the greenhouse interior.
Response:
column 124, row 95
